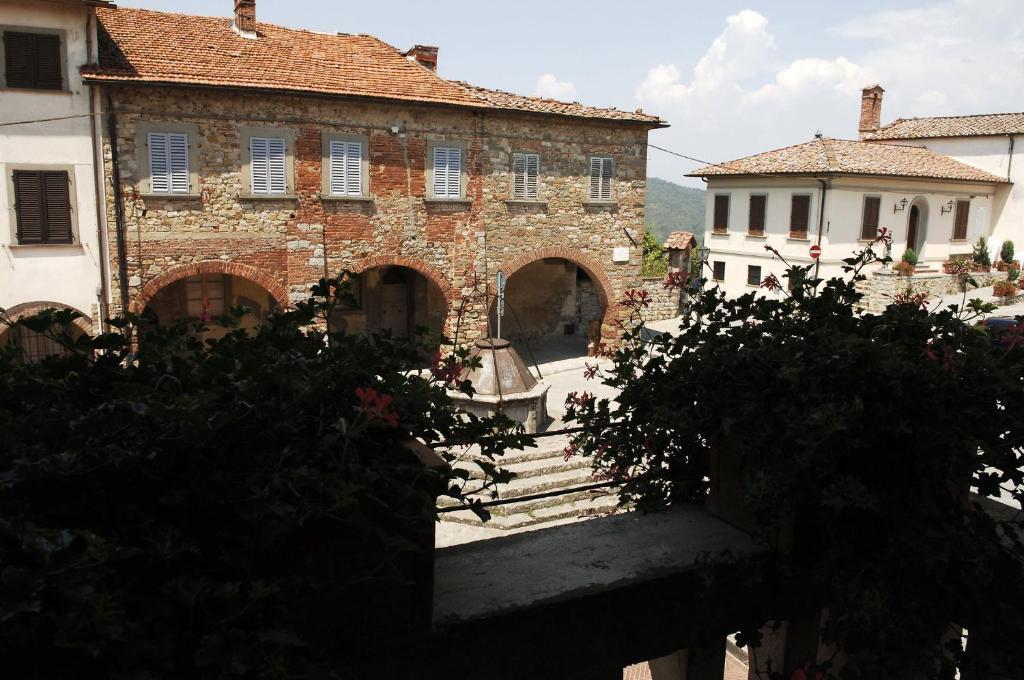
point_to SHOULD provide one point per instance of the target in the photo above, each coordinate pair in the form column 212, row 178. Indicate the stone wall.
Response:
column 296, row 240
column 665, row 303
column 880, row 288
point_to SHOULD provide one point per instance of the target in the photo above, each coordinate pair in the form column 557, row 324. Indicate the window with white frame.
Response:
column 168, row 162
column 346, row 167
column 447, row 172
column 268, row 160
column 525, row 176
column 600, row 178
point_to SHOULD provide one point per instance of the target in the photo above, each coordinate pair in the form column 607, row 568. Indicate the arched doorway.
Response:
column 34, row 346
column 917, row 225
column 396, row 299
column 554, row 309
column 205, row 296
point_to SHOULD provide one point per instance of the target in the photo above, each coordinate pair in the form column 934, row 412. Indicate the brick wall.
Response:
column 664, row 302
column 295, row 241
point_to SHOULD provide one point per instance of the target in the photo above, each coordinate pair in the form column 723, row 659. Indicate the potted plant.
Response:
column 958, row 264
column 907, row 264
column 1006, row 261
column 1004, row 290
column 980, row 255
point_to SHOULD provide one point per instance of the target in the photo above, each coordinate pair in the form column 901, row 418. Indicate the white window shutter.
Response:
column 454, row 173
column 595, row 178
column 354, row 169
column 259, row 162
column 277, row 164
column 337, row 151
column 441, row 172
column 159, row 164
column 532, row 175
column 519, row 172
column 177, row 144
column 601, row 179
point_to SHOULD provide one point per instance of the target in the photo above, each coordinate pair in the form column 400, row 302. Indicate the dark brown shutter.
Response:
column 757, row 214
column 57, row 202
column 33, row 60
column 48, row 62
column 18, row 49
column 869, row 227
column 963, row 209
column 721, row 223
column 28, row 206
column 799, row 216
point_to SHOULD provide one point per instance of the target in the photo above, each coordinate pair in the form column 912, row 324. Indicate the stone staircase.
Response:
column 539, row 470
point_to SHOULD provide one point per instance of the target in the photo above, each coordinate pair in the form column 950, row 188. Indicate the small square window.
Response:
column 753, row 275
column 720, row 218
column 719, row 271
column 33, row 60
column 600, row 178
column 525, row 176
column 447, row 164
column 42, row 206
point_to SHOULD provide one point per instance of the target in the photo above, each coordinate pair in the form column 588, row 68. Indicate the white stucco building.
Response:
column 837, row 193
column 52, row 250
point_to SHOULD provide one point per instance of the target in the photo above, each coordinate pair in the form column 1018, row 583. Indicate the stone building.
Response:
column 255, row 159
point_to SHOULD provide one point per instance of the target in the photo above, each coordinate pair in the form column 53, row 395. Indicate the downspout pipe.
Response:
column 821, row 221
column 115, row 176
column 95, row 131
column 1009, row 162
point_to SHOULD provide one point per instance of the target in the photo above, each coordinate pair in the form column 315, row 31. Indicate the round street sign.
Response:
column 815, row 252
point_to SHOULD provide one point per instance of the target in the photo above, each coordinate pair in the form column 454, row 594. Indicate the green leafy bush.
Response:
column 858, row 435
column 909, row 256
column 245, row 507
column 980, row 253
column 655, row 259
column 1006, row 252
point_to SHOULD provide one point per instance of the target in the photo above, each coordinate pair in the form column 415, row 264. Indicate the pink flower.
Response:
column 884, row 236
column 771, row 282
column 446, row 370
column 591, row 371
column 675, row 280
column 376, row 406
column 637, row 299
column 942, row 354
column 569, row 451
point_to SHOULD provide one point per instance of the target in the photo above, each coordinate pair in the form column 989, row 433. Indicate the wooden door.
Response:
column 915, row 216
column 394, row 308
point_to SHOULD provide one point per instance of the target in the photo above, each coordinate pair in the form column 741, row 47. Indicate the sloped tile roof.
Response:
column 146, row 46
column 982, row 125
column 680, row 240
column 828, row 156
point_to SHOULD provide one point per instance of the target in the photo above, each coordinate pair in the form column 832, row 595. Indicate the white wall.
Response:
column 991, row 154
column 66, row 274
column 841, row 228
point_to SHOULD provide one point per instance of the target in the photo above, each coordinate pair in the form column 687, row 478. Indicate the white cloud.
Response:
column 548, row 85
column 740, row 97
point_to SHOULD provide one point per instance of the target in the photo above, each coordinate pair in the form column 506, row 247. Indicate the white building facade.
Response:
column 935, row 198
column 53, row 253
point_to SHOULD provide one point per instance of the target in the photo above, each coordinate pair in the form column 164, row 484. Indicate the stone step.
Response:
column 531, row 468
column 561, row 479
column 547, row 516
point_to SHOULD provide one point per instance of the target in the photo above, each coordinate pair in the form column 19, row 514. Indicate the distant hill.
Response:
column 671, row 207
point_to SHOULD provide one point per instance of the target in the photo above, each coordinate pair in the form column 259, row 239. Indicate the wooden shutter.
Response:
column 600, row 178
column 963, row 209
column 177, row 146
column 719, row 271
column 268, row 160
column 869, row 224
column 454, row 173
column 755, row 224
column 525, row 175
column 447, row 172
column 346, row 168
column 42, row 202
column 720, row 224
column 159, row 164
column 57, row 206
column 28, row 204
column 799, row 216
column 33, row 60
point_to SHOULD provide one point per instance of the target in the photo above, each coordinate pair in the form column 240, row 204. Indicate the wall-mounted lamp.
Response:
column 949, row 206
column 899, row 206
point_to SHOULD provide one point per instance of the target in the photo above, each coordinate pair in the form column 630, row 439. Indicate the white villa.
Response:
column 935, row 183
column 52, row 252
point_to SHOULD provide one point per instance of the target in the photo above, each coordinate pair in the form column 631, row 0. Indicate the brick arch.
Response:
column 84, row 322
column 433, row 274
column 605, row 289
column 260, row 277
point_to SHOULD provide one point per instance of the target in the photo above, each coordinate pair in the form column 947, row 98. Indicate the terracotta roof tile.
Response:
column 146, row 46
column 987, row 124
column 680, row 240
column 827, row 156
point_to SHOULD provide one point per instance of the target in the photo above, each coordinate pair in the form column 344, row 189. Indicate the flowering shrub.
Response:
column 240, row 508
column 859, row 434
column 1004, row 289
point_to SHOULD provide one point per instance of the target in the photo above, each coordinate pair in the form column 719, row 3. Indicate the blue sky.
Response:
column 733, row 78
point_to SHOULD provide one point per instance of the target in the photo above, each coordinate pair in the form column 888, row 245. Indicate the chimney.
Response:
column 245, row 18
column 424, row 55
column 870, row 109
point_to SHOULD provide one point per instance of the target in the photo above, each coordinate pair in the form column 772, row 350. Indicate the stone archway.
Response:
column 265, row 280
column 917, row 225
column 37, row 346
column 604, row 288
column 422, row 284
